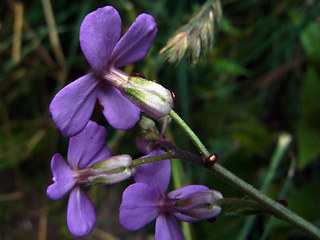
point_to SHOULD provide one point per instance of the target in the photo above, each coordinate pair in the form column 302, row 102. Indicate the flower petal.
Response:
column 72, row 107
column 136, row 42
column 139, row 206
column 167, row 228
column 62, row 177
column 146, row 146
column 120, row 112
column 155, row 174
column 185, row 218
column 184, row 191
column 81, row 216
column 102, row 154
column 99, row 33
column 88, row 146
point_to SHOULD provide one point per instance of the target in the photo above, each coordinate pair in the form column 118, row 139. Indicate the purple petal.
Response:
column 167, row 228
column 62, row 177
column 155, row 174
column 117, row 109
column 81, row 216
column 88, row 146
column 136, row 42
column 72, row 107
column 99, row 33
column 146, row 146
column 184, row 191
column 139, row 206
column 185, row 218
column 103, row 153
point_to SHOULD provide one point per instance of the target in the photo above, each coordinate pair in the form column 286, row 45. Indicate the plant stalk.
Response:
column 275, row 208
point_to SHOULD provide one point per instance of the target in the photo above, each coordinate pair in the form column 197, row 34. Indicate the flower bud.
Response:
column 199, row 205
column 149, row 96
column 112, row 170
column 147, row 124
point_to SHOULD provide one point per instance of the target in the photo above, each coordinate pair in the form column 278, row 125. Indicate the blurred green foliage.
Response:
column 260, row 79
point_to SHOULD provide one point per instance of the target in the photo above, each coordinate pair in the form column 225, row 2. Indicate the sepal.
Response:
column 199, row 205
column 152, row 98
column 112, row 170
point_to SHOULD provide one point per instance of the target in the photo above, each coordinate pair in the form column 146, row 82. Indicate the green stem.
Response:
column 277, row 209
column 240, row 202
column 282, row 146
column 156, row 158
column 287, row 184
column 176, row 167
column 194, row 138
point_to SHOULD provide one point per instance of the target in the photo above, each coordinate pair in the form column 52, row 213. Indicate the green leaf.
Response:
column 308, row 141
column 310, row 39
column 226, row 26
column 309, row 97
column 308, row 130
column 252, row 135
column 231, row 67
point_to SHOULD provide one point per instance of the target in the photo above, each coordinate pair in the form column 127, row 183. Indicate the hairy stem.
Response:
column 156, row 158
column 274, row 207
column 194, row 138
column 240, row 202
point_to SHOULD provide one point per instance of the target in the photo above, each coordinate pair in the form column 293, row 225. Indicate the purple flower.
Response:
column 145, row 201
column 99, row 37
column 85, row 149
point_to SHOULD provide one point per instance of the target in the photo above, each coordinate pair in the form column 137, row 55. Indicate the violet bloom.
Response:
column 99, row 37
column 85, row 149
column 145, row 201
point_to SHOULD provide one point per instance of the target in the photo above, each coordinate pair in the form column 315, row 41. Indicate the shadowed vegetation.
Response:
column 259, row 80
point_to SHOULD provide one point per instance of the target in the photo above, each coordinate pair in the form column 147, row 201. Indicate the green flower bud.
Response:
column 147, row 123
column 149, row 96
column 112, row 170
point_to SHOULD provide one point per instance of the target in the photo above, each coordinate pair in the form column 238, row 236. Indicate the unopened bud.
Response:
column 200, row 205
column 112, row 170
column 149, row 96
column 147, row 124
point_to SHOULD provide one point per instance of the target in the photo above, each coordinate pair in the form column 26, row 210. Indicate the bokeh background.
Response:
column 260, row 82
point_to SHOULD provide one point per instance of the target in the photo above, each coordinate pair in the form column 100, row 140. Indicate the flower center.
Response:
column 167, row 205
column 82, row 175
column 116, row 78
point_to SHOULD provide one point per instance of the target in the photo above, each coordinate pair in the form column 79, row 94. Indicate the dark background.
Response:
column 260, row 80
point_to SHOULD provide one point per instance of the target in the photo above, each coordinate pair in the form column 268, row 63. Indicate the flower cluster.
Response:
column 121, row 98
